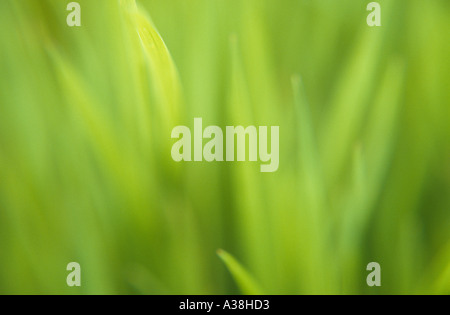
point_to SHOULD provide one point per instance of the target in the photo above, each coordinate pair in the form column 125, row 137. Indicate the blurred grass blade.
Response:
column 349, row 104
column 166, row 84
column 312, row 190
column 243, row 279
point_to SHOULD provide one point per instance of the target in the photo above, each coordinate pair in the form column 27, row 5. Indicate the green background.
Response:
column 86, row 174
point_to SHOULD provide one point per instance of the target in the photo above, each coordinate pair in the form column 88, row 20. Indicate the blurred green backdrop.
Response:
column 86, row 174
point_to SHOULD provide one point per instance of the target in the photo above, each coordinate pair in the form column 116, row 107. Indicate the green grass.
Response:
column 86, row 173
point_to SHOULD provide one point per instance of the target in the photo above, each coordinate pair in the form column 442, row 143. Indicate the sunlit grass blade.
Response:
column 165, row 80
column 243, row 279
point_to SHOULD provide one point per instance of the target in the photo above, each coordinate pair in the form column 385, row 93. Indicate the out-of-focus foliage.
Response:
column 86, row 174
